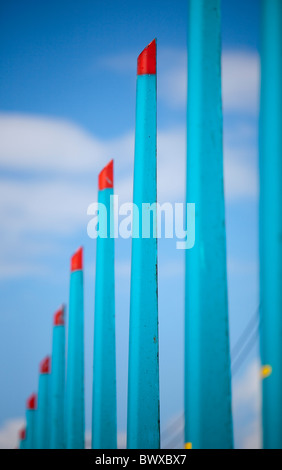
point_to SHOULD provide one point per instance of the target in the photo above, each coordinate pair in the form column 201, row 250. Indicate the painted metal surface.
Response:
column 58, row 382
column 31, row 422
column 22, row 436
column 208, row 416
column 104, row 420
column 43, row 406
column 31, row 429
column 271, row 221
column 75, row 360
column 143, row 381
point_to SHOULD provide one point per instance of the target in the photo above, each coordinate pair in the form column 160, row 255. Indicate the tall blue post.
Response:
column 208, row 416
column 58, row 381
column 31, row 422
column 43, row 407
column 271, row 221
column 104, row 420
column 22, row 436
column 75, row 360
column 143, row 426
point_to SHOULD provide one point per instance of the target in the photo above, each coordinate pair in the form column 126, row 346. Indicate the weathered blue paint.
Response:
column 143, row 381
column 75, row 365
column 208, row 416
column 31, row 429
column 58, row 388
column 104, row 424
column 22, row 444
column 271, row 219
column 43, row 412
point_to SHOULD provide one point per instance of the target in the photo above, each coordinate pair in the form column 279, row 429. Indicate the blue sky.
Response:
column 67, row 106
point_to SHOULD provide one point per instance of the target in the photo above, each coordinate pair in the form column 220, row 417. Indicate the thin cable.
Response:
column 175, row 439
column 245, row 352
column 244, row 335
column 172, row 424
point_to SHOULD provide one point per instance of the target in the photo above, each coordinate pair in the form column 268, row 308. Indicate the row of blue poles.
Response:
column 49, row 426
column 208, row 414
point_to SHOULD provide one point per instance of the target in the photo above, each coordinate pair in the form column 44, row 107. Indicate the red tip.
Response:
column 22, row 434
column 45, row 365
column 76, row 260
column 31, row 402
column 59, row 317
column 147, row 60
column 106, row 177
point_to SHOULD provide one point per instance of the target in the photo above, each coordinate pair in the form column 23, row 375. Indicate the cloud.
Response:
column 38, row 143
column 247, row 407
column 121, row 440
column 240, row 81
column 9, row 433
column 49, row 178
column 240, row 77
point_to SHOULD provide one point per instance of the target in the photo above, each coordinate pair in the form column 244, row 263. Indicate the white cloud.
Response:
column 247, row 403
column 38, row 143
column 121, row 440
column 57, row 165
column 240, row 81
column 9, row 433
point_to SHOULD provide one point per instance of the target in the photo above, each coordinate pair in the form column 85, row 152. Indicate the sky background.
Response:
column 67, row 106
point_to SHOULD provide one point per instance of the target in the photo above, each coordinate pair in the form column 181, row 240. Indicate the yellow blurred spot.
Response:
column 188, row 445
column 265, row 371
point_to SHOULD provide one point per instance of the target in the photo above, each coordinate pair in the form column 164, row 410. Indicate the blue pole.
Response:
column 58, row 381
column 75, row 361
column 22, row 435
column 143, row 425
column 31, row 422
column 208, row 416
column 104, row 421
column 43, row 407
column 271, row 222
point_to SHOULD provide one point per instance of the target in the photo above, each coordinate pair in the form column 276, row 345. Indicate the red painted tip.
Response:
column 45, row 365
column 147, row 60
column 76, row 260
column 22, row 434
column 59, row 317
column 31, row 402
column 106, row 177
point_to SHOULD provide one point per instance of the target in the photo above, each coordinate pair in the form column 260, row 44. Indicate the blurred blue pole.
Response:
column 22, row 435
column 58, row 381
column 43, row 406
column 104, row 421
column 75, row 362
column 271, row 221
column 208, row 416
column 143, row 425
column 31, row 422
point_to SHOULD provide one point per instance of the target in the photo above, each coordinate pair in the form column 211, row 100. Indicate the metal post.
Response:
column 75, row 362
column 58, row 381
column 143, row 426
column 271, row 221
column 104, row 421
column 43, row 408
column 22, row 436
column 208, row 416
column 31, row 422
